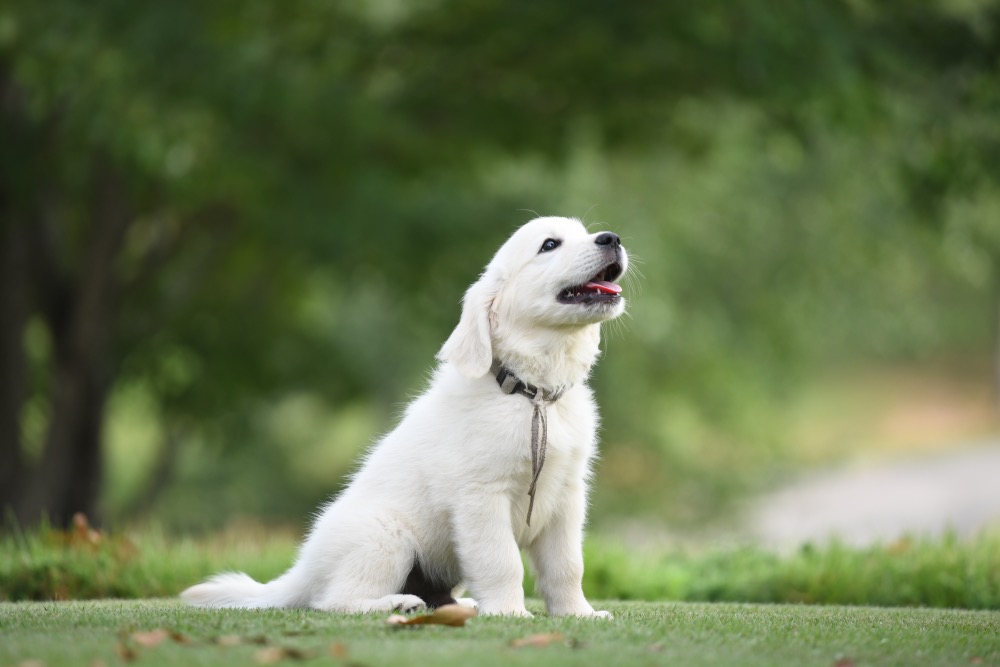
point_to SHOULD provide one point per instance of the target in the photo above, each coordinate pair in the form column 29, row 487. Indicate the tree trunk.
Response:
column 14, row 300
column 14, row 309
column 68, row 477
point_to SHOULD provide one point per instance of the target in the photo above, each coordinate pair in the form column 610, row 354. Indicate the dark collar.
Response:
column 511, row 384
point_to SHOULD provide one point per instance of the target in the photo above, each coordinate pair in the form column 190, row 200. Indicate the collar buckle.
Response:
column 511, row 384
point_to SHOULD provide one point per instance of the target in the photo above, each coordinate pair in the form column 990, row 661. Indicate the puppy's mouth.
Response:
column 599, row 289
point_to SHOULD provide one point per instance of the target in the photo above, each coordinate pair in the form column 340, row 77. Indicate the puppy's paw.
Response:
column 406, row 603
column 583, row 611
column 467, row 602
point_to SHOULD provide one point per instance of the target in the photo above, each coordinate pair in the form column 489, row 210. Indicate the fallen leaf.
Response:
column 237, row 640
column 179, row 638
column 125, row 652
column 844, row 662
column 338, row 650
column 975, row 660
column 454, row 615
column 538, row 640
column 273, row 654
column 270, row 655
column 82, row 532
column 151, row 638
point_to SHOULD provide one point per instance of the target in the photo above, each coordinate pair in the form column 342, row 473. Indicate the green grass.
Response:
column 49, row 564
column 948, row 573
column 945, row 572
column 81, row 633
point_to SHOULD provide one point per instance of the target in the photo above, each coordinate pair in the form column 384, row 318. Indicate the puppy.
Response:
column 494, row 457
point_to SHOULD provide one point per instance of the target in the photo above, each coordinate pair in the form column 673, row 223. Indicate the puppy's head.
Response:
column 550, row 275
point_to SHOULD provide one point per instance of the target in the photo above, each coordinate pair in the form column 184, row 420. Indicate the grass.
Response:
column 84, row 563
column 947, row 573
column 102, row 632
column 50, row 564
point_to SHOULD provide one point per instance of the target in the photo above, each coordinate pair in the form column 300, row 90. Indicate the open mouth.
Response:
column 599, row 289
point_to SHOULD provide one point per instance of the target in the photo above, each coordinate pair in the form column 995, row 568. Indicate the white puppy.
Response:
column 494, row 457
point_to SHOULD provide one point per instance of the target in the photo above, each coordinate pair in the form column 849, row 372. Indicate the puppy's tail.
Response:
column 236, row 590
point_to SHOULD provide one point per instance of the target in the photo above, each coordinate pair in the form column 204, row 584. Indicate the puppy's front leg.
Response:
column 557, row 554
column 489, row 557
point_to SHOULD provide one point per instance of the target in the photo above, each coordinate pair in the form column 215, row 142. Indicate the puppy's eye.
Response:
column 550, row 244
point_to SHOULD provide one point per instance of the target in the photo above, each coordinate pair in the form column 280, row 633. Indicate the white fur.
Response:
column 447, row 489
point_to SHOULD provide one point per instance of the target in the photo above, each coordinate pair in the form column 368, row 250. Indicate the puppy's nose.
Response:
column 607, row 238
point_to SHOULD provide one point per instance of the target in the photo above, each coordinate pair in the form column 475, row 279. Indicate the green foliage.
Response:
column 642, row 633
column 917, row 572
column 309, row 186
column 84, row 564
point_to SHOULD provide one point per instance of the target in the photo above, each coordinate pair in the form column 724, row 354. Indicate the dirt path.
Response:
column 959, row 490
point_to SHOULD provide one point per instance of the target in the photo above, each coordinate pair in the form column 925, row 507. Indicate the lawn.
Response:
column 110, row 632
column 914, row 602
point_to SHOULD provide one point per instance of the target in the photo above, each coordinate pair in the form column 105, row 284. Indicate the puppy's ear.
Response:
column 469, row 346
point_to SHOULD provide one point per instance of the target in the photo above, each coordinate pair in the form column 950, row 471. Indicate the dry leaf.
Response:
column 151, row 638
column 82, row 532
column 179, row 638
column 125, row 652
column 454, row 615
column 237, row 640
column 975, row 660
column 270, row 655
column 338, row 650
column 538, row 640
column 273, row 654
column 844, row 662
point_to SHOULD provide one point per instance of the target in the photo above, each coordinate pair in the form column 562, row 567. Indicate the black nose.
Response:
column 607, row 238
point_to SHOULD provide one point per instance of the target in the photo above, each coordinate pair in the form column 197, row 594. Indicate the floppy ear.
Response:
column 469, row 346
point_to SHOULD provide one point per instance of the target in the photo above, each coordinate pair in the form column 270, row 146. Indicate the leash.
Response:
column 540, row 399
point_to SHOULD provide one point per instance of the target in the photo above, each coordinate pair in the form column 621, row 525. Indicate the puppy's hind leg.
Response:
column 371, row 572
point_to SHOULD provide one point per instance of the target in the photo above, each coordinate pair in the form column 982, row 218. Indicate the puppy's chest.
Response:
column 562, row 465
column 555, row 434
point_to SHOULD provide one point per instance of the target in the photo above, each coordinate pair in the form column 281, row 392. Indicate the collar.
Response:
column 511, row 384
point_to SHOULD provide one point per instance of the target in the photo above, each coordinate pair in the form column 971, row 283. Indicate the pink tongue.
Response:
column 604, row 286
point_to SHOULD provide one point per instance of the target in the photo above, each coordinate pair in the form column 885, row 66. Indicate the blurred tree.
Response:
column 138, row 238
column 175, row 180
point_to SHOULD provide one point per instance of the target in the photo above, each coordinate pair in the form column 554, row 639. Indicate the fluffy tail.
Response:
column 235, row 590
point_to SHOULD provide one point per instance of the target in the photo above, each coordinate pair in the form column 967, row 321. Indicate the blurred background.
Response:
column 235, row 234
